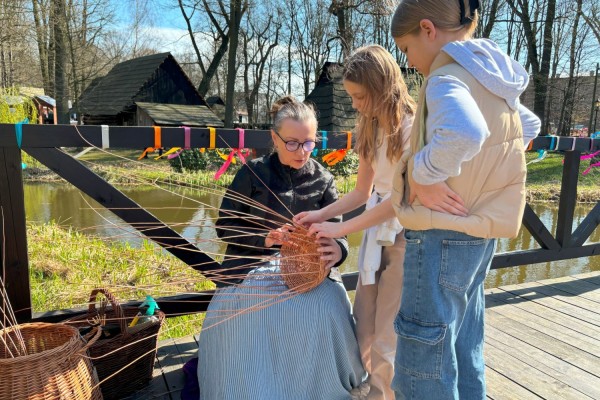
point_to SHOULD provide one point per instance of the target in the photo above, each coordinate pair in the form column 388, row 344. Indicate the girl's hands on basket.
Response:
column 278, row 236
column 306, row 218
column 330, row 251
column 327, row 230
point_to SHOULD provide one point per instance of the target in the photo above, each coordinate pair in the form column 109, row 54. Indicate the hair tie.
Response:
column 557, row 143
column 552, row 139
column 324, row 140
column 591, row 144
column 473, row 5
column 573, row 145
column 349, row 142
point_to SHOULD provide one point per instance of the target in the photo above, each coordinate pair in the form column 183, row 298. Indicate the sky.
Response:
column 166, row 24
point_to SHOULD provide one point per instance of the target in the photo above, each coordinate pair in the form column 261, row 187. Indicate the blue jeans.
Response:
column 441, row 319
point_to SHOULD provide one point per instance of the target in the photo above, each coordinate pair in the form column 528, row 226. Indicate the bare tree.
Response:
column 220, row 26
column 257, row 43
column 61, row 90
column 540, row 65
column 237, row 8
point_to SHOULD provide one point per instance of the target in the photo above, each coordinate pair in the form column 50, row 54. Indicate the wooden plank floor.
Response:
column 542, row 342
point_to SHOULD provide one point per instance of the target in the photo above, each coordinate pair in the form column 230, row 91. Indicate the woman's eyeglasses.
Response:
column 293, row 145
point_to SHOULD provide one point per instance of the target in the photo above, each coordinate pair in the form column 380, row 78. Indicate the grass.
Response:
column 66, row 265
column 544, row 179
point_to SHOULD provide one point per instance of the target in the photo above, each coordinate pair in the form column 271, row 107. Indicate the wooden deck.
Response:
column 542, row 342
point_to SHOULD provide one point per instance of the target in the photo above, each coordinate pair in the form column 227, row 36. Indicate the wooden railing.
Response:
column 43, row 142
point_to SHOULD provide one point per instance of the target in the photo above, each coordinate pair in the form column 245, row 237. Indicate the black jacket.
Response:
column 284, row 191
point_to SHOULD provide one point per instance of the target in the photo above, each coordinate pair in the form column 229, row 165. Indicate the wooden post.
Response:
column 13, row 241
column 568, row 198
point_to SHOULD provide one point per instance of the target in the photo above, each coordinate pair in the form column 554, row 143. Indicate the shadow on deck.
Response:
column 542, row 342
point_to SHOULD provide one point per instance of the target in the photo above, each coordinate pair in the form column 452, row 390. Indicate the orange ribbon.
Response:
column 338, row 155
column 157, row 143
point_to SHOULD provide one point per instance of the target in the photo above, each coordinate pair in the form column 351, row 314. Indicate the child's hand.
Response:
column 330, row 251
column 278, row 236
column 437, row 197
column 306, row 218
column 326, row 230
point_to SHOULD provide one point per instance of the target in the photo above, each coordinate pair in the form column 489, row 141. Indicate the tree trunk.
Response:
column 541, row 88
column 235, row 17
column 40, row 30
column 60, row 71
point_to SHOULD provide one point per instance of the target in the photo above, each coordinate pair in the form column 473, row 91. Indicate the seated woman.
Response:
column 259, row 341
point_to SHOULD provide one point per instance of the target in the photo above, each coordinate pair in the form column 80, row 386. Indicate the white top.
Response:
column 369, row 253
column 383, row 168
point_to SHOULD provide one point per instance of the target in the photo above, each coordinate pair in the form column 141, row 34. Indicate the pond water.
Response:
column 191, row 212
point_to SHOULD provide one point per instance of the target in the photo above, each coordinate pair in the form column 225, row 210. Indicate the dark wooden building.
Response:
column 149, row 114
column 334, row 106
column 156, row 78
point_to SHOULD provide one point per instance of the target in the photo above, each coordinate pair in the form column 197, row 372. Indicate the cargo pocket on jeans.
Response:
column 461, row 260
column 420, row 347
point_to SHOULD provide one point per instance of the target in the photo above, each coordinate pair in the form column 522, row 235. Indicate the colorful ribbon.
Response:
column 239, row 151
column 19, row 131
column 541, row 155
column 212, row 132
column 157, row 143
column 186, row 144
column 587, row 157
column 338, row 155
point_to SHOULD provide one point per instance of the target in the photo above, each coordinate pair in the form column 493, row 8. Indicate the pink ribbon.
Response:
column 587, row 157
column 239, row 151
column 186, row 141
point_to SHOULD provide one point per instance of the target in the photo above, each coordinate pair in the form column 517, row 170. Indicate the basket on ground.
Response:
column 55, row 366
column 125, row 361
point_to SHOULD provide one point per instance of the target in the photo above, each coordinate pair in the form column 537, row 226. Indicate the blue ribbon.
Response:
column 324, row 140
column 19, row 131
column 552, row 140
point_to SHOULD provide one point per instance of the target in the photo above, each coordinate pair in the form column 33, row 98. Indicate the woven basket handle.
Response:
column 91, row 341
column 115, row 305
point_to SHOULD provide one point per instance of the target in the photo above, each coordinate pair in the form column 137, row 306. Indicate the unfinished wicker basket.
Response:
column 56, row 366
column 300, row 264
column 124, row 362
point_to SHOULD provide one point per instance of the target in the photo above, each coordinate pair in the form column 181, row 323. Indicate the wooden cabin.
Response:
column 150, row 114
column 333, row 104
column 157, row 78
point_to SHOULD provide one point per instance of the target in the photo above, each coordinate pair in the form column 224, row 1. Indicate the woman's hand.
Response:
column 306, row 218
column 330, row 251
column 437, row 197
column 327, row 230
column 278, row 236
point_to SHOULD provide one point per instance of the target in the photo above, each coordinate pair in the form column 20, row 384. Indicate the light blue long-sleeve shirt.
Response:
column 455, row 127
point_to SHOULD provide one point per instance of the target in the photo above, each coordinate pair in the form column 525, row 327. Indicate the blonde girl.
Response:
column 374, row 81
column 463, row 188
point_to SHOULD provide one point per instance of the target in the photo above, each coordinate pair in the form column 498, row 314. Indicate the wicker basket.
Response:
column 124, row 362
column 56, row 365
column 300, row 263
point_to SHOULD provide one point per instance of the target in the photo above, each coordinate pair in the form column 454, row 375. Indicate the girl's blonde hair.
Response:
column 445, row 15
column 387, row 100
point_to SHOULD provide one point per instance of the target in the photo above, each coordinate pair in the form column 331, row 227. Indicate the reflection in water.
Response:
column 188, row 215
